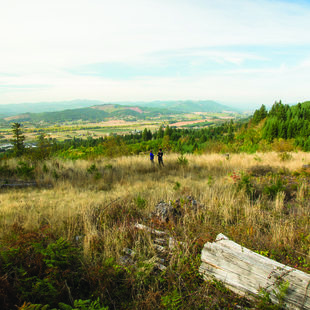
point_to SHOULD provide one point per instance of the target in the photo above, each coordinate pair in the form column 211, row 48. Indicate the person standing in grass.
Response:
column 160, row 155
column 152, row 157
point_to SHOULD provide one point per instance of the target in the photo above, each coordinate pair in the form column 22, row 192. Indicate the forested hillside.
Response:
column 282, row 129
column 286, row 122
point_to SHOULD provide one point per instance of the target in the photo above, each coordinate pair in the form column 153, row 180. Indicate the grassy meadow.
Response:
column 62, row 242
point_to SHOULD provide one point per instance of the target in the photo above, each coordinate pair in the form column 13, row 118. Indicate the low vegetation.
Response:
column 62, row 241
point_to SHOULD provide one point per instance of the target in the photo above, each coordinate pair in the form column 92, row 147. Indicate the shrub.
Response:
column 282, row 145
column 6, row 171
column 24, row 170
column 273, row 189
column 140, row 202
column 260, row 170
column 182, row 160
column 92, row 169
column 177, row 186
column 77, row 305
column 285, row 156
column 40, row 269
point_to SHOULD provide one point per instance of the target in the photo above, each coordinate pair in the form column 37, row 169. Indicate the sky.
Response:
column 238, row 52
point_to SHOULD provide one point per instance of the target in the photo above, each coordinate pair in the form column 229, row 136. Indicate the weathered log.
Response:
column 161, row 267
column 246, row 272
column 149, row 229
column 160, row 241
column 159, row 248
column 19, row 185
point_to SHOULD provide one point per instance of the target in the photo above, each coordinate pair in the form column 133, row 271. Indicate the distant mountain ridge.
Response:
column 194, row 106
column 95, row 113
column 40, row 107
column 7, row 110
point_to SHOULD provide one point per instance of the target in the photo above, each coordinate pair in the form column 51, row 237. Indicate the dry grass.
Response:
column 102, row 207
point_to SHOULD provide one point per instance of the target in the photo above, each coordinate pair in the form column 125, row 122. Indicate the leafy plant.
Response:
column 77, row 305
column 92, row 169
column 24, row 170
column 172, row 301
column 182, row 160
column 273, row 189
column 55, row 175
column 285, row 156
column 243, row 182
column 44, row 168
column 210, row 180
column 177, row 186
column 257, row 158
column 140, row 202
column 6, row 171
column 280, row 292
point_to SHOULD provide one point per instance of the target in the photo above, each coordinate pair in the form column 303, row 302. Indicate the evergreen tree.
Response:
column 160, row 133
column 168, row 131
column 259, row 115
column 144, row 135
column 18, row 140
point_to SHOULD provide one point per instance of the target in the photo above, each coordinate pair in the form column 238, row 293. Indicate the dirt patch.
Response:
column 136, row 109
column 16, row 117
column 103, row 107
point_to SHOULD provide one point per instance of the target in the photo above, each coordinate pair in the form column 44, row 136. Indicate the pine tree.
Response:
column 144, row 135
column 18, row 140
column 160, row 133
column 168, row 131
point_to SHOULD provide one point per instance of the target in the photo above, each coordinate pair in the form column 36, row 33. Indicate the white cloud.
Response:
column 38, row 39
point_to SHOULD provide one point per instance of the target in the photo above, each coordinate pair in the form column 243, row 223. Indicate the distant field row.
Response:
column 75, row 129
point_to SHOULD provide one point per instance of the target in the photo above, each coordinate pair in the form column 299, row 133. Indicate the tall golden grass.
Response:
column 99, row 209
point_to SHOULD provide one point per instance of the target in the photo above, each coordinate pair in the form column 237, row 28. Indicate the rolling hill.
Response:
column 99, row 112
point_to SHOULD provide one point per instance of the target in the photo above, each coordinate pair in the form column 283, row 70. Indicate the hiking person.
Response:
column 160, row 155
column 152, row 157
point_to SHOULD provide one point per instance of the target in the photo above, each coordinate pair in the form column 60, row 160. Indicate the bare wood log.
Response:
column 160, row 241
column 149, row 229
column 246, row 272
column 19, row 185
column 161, row 267
column 159, row 248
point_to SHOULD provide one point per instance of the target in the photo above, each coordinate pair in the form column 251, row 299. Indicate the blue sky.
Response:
column 238, row 52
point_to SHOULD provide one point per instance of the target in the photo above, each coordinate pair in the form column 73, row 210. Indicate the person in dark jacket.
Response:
column 160, row 155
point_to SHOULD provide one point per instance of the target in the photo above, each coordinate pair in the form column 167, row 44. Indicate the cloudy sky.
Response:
column 237, row 52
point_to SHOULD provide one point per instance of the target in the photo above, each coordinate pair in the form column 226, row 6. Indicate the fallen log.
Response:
column 19, row 185
column 149, row 229
column 247, row 273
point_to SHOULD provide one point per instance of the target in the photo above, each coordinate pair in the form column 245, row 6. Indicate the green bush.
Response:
column 140, row 202
column 6, row 171
column 182, row 160
column 273, row 189
column 243, row 182
column 92, row 169
column 77, row 305
column 177, row 186
column 285, row 156
column 40, row 269
column 24, row 170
